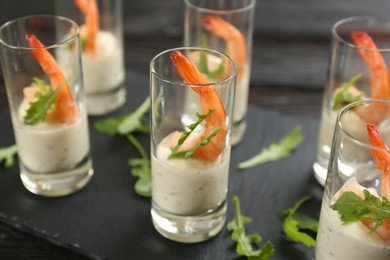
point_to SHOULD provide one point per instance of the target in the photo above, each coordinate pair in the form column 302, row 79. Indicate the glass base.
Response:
column 320, row 172
column 189, row 229
column 102, row 103
column 57, row 183
column 238, row 131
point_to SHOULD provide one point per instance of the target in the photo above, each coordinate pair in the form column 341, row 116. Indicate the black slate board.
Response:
column 108, row 220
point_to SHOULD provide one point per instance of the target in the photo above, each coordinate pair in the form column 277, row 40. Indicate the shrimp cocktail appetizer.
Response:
column 190, row 160
column 101, row 51
column 358, row 70
column 47, row 103
column 226, row 26
column 355, row 213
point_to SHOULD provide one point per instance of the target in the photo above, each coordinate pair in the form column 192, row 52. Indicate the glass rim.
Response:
column 66, row 40
column 341, row 39
column 351, row 137
column 227, row 11
column 171, row 81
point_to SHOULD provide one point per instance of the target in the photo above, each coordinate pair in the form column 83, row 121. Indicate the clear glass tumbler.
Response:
column 102, row 55
column 357, row 71
column 226, row 26
column 190, row 159
column 40, row 58
column 359, row 163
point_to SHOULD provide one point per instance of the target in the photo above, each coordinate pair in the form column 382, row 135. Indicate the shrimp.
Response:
column 380, row 86
column 234, row 39
column 65, row 109
column 382, row 159
column 209, row 99
column 91, row 12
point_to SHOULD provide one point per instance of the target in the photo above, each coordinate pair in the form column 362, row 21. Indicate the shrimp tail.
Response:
column 381, row 157
column 380, row 87
column 65, row 109
column 91, row 12
column 209, row 100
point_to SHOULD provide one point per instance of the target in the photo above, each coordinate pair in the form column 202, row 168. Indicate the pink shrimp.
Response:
column 382, row 159
column 65, row 108
column 234, row 39
column 380, row 86
column 91, row 12
column 209, row 99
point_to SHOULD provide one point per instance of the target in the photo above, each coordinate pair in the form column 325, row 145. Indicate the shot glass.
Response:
column 357, row 70
column 357, row 166
column 102, row 55
column 226, row 26
column 40, row 59
column 190, row 161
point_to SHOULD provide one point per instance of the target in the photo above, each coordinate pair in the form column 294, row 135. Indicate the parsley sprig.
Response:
column 353, row 208
column 275, row 151
column 7, row 155
column 344, row 96
column 175, row 153
column 244, row 241
column 127, row 125
column 45, row 99
column 294, row 223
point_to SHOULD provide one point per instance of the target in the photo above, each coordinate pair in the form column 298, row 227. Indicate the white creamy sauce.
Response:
column 241, row 97
column 350, row 241
column 188, row 186
column 47, row 148
column 103, row 70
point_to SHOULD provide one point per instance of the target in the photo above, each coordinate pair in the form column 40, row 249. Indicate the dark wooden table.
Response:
column 290, row 56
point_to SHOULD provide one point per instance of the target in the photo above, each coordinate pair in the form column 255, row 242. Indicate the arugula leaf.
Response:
column 275, row 151
column 83, row 43
column 215, row 74
column 133, row 121
column 293, row 222
column 203, row 68
column 38, row 109
column 125, row 124
column 353, row 208
column 175, row 153
column 344, row 96
column 108, row 126
column 244, row 247
column 7, row 155
column 141, row 169
column 203, row 63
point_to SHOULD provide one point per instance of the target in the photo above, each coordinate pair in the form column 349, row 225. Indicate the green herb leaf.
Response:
column 125, row 124
column 276, row 151
column 83, row 43
column 133, row 121
column 344, row 96
column 293, row 222
column 46, row 97
column 107, row 126
column 215, row 74
column 175, row 153
column 202, row 66
column 141, row 169
column 203, row 63
column 7, row 155
column 244, row 247
column 353, row 208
